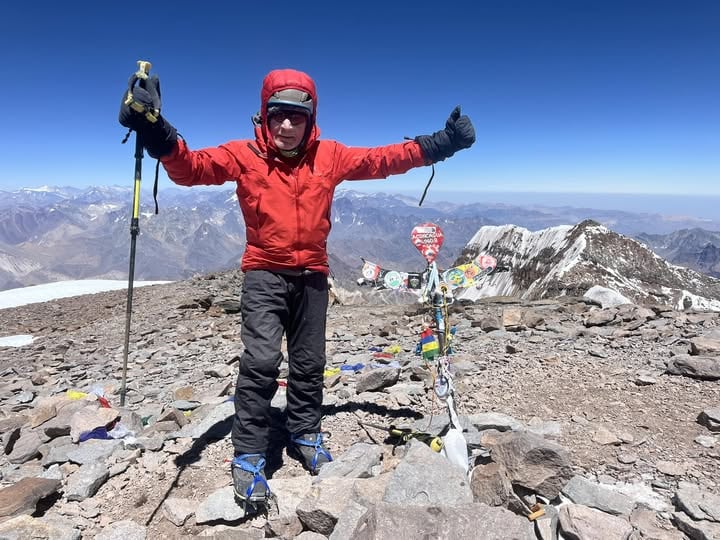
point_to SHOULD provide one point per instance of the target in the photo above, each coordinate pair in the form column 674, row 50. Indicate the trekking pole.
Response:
column 403, row 435
column 142, row 73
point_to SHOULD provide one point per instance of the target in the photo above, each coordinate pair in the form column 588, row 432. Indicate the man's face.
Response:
column 287, row 128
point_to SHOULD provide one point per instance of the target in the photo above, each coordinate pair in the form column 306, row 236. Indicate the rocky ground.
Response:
column 594, row 422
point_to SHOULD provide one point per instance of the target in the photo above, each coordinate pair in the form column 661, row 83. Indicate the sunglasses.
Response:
column 279, row 116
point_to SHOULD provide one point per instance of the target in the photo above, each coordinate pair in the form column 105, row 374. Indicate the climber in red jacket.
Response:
column 285, row 179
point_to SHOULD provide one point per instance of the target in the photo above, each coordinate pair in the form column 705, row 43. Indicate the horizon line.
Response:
column 403, row 191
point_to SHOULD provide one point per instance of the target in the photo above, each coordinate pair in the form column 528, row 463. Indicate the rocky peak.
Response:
column 569, row 260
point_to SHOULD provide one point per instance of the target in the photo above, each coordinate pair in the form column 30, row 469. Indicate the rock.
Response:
column 705, row 345
column 42, row 414
column 489, row 324
column 376, row 379
column 387, row 521
column 123, row 530
column 544, row 429
column 497, row 421
column 348, row 521
column 696, row 503
column 220, row 505
column 359, row 461
column 600, row 317
column 697, row 367
column 219, row 371
column 671, row 468
column 696, row 530
column 642, row 495
column 22, row 497
column 490, row 485
column 370, row 490
column 512, row 319
column 530, row 461
column 425, row 477
column 627, row 458
column 173, row 415
column 604, row 436
column 184, row 393
column 645, row 380
column 185, row 405
column 577, row 521
column 25, row 448
column 86, row 481
column 93, row 451
column 649, row 525
column 215, row 425
column 25, row 527
column 292, row 491
column 710, row 418
column 320, row 510
column 309, row 535
column 584, row 492
column 706, row 441
column 178, row 510
column 89, row 418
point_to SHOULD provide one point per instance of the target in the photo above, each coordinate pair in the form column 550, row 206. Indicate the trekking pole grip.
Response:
column 144, row 68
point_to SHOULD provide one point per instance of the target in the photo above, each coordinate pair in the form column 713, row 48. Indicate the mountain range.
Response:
column 572, row 260
column 51, row 234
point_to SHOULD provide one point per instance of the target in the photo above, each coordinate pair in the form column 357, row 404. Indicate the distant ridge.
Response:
column 54, row 233
column 569, row 260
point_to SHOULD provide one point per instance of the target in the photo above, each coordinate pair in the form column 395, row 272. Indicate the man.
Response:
column 285, row 180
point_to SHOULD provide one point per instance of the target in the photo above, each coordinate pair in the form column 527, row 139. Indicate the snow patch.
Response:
column 606, row 297
column 19, row 340
column 64, row 289
column 689, row 300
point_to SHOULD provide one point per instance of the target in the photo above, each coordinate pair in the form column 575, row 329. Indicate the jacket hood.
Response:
column 284, row 79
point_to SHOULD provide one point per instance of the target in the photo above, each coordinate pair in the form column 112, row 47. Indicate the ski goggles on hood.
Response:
column 291, row 99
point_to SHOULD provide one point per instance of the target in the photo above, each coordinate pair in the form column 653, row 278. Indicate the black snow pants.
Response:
column 273, row 304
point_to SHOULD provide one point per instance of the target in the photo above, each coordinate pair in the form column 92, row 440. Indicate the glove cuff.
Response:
column 436, row 147
column 160, row 138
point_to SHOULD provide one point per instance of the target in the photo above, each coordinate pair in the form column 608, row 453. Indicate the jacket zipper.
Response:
column 297, row 214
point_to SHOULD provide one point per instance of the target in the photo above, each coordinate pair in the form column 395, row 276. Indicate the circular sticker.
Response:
column 393, row 279
column 370, row 271
column 486, row 261
column 454, row 276
column 471, row 271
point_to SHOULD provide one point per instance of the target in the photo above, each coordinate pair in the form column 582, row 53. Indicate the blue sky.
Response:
column 583, row 95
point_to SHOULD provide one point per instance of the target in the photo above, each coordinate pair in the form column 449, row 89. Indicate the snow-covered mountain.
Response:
column 569, row 260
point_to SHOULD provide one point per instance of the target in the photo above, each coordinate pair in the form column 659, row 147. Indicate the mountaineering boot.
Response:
column 308, row 449
column 249, row 482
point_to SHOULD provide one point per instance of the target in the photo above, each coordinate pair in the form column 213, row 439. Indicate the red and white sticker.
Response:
column 370, row 271
column 486, row 261
column 428, row 239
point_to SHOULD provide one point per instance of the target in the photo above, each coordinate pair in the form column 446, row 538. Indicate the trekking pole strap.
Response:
column 427, row 186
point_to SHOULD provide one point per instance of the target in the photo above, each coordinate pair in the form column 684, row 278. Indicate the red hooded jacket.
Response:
column 286, row 203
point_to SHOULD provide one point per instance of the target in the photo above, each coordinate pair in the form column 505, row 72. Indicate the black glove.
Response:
column 459, row 133
column 159, row 137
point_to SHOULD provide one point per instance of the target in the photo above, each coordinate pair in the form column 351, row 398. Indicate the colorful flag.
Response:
column 429, row 344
